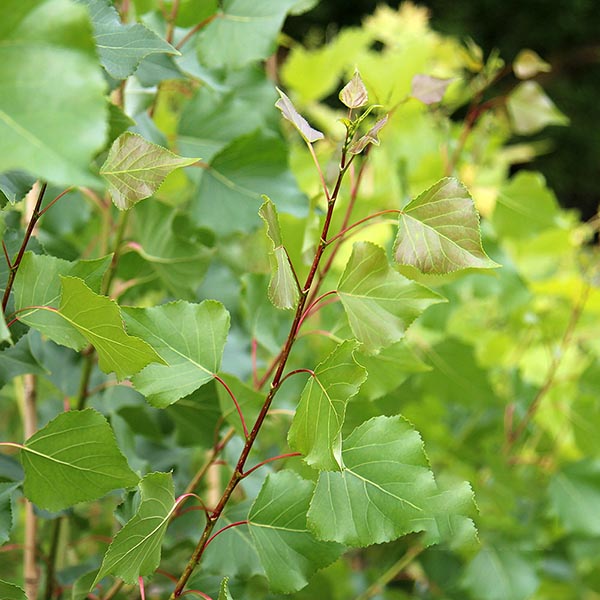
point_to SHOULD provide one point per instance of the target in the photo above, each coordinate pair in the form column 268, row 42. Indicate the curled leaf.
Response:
column 369, row 138
column 354, row 93
column 284, row 104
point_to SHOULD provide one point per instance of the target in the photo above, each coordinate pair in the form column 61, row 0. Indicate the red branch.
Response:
column 237, row 406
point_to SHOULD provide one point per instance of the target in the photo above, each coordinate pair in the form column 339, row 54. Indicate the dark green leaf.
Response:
column 7, row 491
column 18, row 360
column 73, row 459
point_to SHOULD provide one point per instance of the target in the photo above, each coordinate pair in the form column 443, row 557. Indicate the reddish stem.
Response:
column 309, row 310
column 69, row 189
column 295, row 372
column 6, row 255
column 225, row 529
column 194, row 29
column 142, row 589
column 268, row 460
column 344, row 231
column 237, row 406
column 201, row 594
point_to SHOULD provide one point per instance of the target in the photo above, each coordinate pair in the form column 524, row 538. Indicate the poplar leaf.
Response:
column 283, row 287
column 98, row 319
column 288, row 551
column 135, row 551
column 7, row 492
column 18, row 360
column 190, row 339
column 122, row 47
column 9, row 591
column 224, row 590
column 384, row 491
column 438, row 232
column 284, row 104
column 531, row 110
column 379, row 302
column 74, row 458
column 135, row 168
column 354, row 93
column 317, row 424
column 15, row 185
column 369, row 138
column 528, row 64
column 428, row 89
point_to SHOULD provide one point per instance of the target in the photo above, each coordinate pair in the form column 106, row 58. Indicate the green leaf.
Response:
column 74, row 458
column 501, row 574
column 529, row 63
column 135, row 168
column 135, row 551
column 82, row 585
column 531, row 110
column 118, row 122
column 224, row 590
column 283, row 287
column 179, row 263
column 122, row 47
column 8, row 591
column 188, row 337
column 428, row 89
column 38, row 284
column 7, row 491
column 288, row 551
column 438, row 232
column 354, row 93
column 317, row 424
column 231, row 189
column 15, row 185
column 18, row 360
column 289, row 112
column 53, row 121
column 384, row 491
column 243, row 32
column 4, row 330
column 99, row 321
column 380, row 303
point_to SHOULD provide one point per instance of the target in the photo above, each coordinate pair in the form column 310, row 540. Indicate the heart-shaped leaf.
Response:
column 354, row 93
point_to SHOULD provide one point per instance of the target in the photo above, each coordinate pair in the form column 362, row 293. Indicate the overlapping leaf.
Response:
column 283, row 287
column 385, row 490
column 135, row 168
column 438, row 232
column 98, row 319
column 316, row 427
column 74, row 458
column 15, row 184
column 9, row 591
column 122, row 47
column 37, row 284
column 380, row 303
column 288, row 551
column 190, row 339
column 53, row 119
column 135, row 551
column 18, row 360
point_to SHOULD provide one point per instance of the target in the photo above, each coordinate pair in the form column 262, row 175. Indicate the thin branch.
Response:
column 319, row 170
column 53, row 557
column 225, row 529
column 114, row 590
column 237, row 405
column 309, row 310
column 171, row 21
column 295, row 372
column 69, row 189
column 268, row 460
column 344, row 231
column 195, row 29
column 6, row 255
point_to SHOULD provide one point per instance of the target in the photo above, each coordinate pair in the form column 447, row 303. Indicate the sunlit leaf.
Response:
column 135, row 551
column 98, row 319
column 74, row 458
column 288, row 551
column 122, row 47
column 369, row 138
column 188, row 337
column 354, row 93
column 428, row 89
column 531, row 109
column 316, row 427
column 438, row 232
column 380, row 303
column 289, row 112
column 283, row 287
column 135, row 168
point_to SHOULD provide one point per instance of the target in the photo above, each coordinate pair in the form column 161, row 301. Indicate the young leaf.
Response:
column 54, row 114
column 38, row 284
column 428, row 89
column 135, row 551
column 74, row 458
column 369, row 138
column 288, row 551
column 98, row 320
column 528, row 64
column 379, row 302
column 224, row 590
column 354, row 93
column 9, row 591
column 135, row 168
column 384, row 491
column 438, row 232
column 284, row 104
column 122, row 47
column 531, row 110
column 188, row 337
column 283, row 287
column 316, row 427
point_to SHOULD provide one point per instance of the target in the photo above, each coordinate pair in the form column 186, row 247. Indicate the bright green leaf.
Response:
column 289, row 112
column 135, row 168
column 224, row 590
column 4, row 330
column 531, row 110
column 74, row 458
column 369, row 138
column 38, row 284
column 288, row 551
column 53, row 119
column 380, row 303
column 135, row 551
column 8, row 591
column 317, row 424
column 384, row 491
column 243, row 32
column 283, row 287
column 438, row 232
column 188, row 337
column 122, row 47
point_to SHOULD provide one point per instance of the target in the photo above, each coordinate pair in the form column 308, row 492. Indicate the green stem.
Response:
column 52, row 558
column 84, row 381
column 112, row 269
